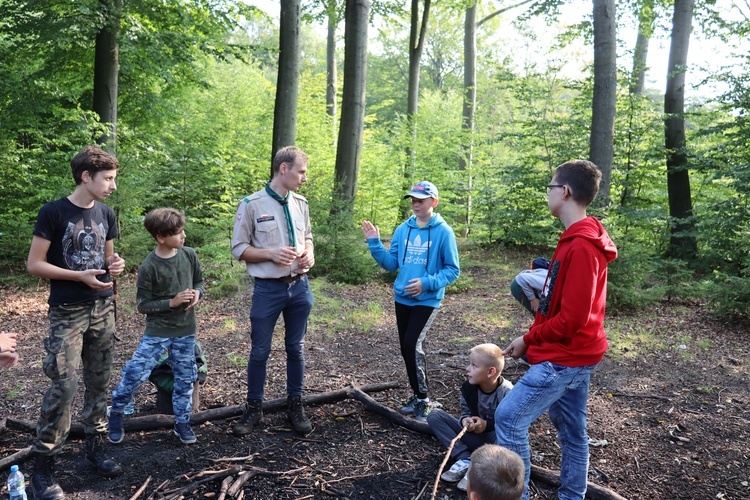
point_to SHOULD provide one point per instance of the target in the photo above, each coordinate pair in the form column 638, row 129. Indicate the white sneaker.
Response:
column 463, row 483
column 457, row 471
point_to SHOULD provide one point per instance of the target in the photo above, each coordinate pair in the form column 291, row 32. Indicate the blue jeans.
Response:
column 138, row 369
column 564, row 391
column 270, row 299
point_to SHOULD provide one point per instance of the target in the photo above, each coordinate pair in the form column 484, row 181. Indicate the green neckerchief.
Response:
column 284, row 203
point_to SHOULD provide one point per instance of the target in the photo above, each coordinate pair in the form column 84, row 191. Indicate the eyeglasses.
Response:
column 550, row 187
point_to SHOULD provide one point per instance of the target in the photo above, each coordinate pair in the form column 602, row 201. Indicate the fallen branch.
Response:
column 141, row 489
column 159, row 421
column 16, row 458
column 190, row 488
column 445, row 460
column 372, row 405
column 241, row 480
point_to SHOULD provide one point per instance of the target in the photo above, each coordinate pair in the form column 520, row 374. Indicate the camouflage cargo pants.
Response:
column 138, row 369
column 78, row 333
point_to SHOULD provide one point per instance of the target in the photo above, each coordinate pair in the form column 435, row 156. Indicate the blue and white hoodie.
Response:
column 427, row 252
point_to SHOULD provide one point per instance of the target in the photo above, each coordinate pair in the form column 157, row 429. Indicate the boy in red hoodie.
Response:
column 567, row 339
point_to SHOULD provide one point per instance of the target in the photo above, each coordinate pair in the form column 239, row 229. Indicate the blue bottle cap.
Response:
column 13, row 468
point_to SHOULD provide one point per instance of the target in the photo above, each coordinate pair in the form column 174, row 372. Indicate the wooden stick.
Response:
column 158, row 421
column 241, row 480
column 16, row 458
column 224, row 487
column 141, row 489
column 445, row 460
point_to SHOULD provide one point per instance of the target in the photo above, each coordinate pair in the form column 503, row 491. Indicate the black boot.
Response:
column 296, row 413
column 43, row 485
column 252, row 414
column 96, row 455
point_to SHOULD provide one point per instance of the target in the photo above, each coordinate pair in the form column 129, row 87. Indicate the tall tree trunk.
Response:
column 646, row 20
column 469, row 106
column 601, row 145
column 682, row 242
column 416, row 45
column 353, row 103
column 287, row 80
column 106, row 68
column 331, row 70
column 465, row 161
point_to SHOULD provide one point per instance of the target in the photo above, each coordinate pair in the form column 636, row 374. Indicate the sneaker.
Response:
column 185, row 433
column 408, row 408
column 43, row 485
column 296, row 413
column 252, row 414
column 457, row 471
column 116, row 429
column 421, row 410
column 96, row 454
column 463, row 483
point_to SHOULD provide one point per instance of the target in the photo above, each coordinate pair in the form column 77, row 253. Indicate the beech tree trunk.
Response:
column 469, row 107
column 287, row 80
column 106, row 68
column 331, row 69
column 601, row 145
column 353, row 103
column 646, row 20
column 417, row 35
column 682, row 242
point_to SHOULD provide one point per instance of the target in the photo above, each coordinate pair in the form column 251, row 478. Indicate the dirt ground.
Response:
column 669, row 409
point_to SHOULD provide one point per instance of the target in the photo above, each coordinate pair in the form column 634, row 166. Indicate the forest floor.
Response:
column 669, row 407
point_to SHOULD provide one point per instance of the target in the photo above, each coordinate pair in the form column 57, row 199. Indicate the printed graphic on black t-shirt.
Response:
column 83, row 245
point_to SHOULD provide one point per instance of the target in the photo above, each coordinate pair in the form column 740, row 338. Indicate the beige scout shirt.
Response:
column 261, row 223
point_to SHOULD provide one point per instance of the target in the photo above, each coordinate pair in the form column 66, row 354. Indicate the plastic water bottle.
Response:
column 16, row 484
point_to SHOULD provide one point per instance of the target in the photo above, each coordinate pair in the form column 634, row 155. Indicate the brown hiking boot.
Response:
column 43, row 485
column 95, row 454
column 296, row 413
column 252, row 414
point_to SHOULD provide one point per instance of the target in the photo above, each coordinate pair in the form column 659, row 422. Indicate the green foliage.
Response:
column 729, row 296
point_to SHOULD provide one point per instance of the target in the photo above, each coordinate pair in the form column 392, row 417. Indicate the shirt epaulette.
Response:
column 300, row 197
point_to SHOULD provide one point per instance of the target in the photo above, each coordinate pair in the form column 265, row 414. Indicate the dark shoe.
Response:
column 95, row 454
column 116, row 430
column 252, row 414
column 422, row 409
column 185, row 433
column 408, row 408
column 43, row 485
column 296, row 413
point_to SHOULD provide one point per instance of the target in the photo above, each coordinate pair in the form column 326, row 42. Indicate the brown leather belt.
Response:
column 284, row 279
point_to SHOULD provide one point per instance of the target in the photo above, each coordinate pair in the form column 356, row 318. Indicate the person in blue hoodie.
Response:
column 424, row 251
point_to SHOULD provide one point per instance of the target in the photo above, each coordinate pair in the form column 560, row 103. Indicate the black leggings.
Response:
column 413, row 324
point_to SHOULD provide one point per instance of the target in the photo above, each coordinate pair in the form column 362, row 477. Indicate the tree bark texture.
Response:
column 353, row 102
column 106, row 68
column 469, row 107
column 417, row 35
column 601, row 145
column 682, row 238
column 646, row 20
column 331, row 69
column 287, row 80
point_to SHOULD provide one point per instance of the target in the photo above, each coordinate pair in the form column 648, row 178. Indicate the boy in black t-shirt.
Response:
column 73, row 248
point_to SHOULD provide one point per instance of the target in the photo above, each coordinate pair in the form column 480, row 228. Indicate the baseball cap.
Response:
column 422, row 190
